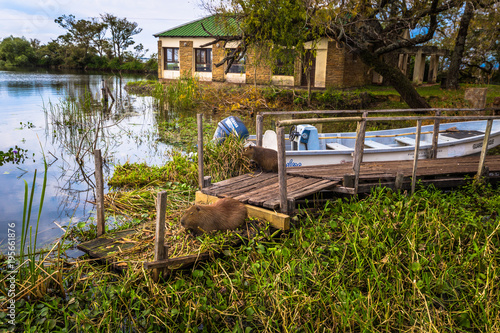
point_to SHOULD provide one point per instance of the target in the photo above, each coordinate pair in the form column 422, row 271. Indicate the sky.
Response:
column 35, row 18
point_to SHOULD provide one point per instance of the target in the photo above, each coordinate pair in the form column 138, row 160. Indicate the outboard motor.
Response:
column 230, row 125
column 305, row 137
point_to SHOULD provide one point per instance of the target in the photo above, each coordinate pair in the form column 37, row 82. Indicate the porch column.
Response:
column 418, row 71
column 433, row 69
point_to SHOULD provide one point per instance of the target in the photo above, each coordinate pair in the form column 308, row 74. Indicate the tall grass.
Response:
column 386, row 263
column 178, row 95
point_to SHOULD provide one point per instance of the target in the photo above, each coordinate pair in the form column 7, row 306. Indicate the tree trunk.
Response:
column 396, row 79
column 458, row 52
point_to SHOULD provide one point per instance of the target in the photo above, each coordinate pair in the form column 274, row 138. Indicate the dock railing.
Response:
column 360, row 135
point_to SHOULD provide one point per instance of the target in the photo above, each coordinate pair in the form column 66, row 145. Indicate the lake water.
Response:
column 34, row 116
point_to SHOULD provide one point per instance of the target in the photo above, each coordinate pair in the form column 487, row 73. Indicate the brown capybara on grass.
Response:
column 225, row 214
column 266, row 158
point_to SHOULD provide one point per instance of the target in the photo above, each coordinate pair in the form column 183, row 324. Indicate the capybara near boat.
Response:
column 266, row 158
column 225, row 214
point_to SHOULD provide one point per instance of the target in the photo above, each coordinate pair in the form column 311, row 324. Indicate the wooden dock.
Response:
column 262, row 189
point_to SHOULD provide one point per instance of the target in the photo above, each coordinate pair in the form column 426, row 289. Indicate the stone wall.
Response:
column 160, row 60
column 355, row 71
column 258, row 70
column 186, row 58
column 334, row 66
column 218, row 53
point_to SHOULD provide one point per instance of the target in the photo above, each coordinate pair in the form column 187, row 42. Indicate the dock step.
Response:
column 337, row 146
column 375, row 144
column 409, row 141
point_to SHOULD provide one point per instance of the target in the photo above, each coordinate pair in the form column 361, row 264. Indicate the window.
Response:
column 203, row 60
column 237, row 66
column 171, row 55
column 284, row 63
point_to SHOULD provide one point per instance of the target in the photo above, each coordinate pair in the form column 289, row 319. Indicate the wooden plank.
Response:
column 277, row 220
column 184, row 260
column 259, row 129
column 415, row 156
column 272, row 191
column 303, row 192
column 247, row 184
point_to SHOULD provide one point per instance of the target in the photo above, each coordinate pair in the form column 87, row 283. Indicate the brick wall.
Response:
column 257, row 70
column 355, row 71
column 186, row 58
column 334, row 66
column 160, row 60
column 218, row 53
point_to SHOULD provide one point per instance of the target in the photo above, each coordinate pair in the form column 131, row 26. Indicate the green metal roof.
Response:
column 217, row 26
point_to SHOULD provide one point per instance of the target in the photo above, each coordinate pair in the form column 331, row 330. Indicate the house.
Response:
column 180, row 53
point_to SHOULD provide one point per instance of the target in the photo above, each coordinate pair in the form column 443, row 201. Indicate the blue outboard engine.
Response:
column 230, row 125
column 305, row 137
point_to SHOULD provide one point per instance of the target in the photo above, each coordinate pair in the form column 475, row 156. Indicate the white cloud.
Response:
column 35, row 18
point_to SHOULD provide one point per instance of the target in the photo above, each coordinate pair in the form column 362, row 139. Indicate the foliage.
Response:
column 14, row 155
column 121, row 33
column 386, row 263
column 15, row 51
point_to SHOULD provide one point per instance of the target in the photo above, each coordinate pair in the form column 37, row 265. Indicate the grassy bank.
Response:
column 389, row 262
column 383, row 263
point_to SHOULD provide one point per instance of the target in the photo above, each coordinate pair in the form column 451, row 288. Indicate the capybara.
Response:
column 225, row 214
column 266, row 158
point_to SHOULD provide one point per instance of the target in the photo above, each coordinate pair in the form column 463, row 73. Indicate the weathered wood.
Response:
column 480, row 169
column 99, row 192
column 199, row 119
column 358, row 149
column 207, row 181
column 282, row 170
column 259, row 129
column 161, row 251
column 185, row 260
column 435, row 136
column 294, row 113
column 409, row 118
column 398, row 183
column 277, row 220
column 415, row 157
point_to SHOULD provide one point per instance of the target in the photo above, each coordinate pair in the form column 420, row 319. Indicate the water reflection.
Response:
column 69, row 123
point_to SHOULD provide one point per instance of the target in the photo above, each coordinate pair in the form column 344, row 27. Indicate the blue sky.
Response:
column 35, row 18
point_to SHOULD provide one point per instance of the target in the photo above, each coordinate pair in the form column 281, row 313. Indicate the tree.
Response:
column 16, row 51
column 121, row 33
column 368, row 28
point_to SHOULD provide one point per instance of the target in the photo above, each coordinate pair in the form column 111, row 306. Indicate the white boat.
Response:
column 309, row 147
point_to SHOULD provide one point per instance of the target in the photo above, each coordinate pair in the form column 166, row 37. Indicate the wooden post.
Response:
column 415, row 156
column 398, row 183
column 435, row 136
column 99, row 192
column 161, row 251
column 259, row 129
column 282, row 170
column 480, row 169
column 207, row 181
column 199, row 118
column 104, row 92
column 358, row 150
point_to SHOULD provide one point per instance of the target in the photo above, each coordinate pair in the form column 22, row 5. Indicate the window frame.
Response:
column 172, row 60
column 284, row 64
column 204, row 61
column 241, row 64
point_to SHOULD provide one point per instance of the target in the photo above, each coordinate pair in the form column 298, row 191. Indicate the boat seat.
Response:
column 375, row 144
column 442, row 138
column 337, row 146
column 409, row 141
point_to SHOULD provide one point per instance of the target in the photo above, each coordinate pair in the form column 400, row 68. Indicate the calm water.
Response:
column 32, row 116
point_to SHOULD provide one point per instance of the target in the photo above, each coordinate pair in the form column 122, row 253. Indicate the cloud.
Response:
column 35, row 18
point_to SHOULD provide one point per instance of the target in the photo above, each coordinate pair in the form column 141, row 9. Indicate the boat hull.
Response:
column 455, row 139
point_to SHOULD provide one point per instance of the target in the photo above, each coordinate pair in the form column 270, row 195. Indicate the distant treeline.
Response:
column 88, row 44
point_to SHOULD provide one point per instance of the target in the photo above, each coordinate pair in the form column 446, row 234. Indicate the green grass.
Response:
column 386, row 263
